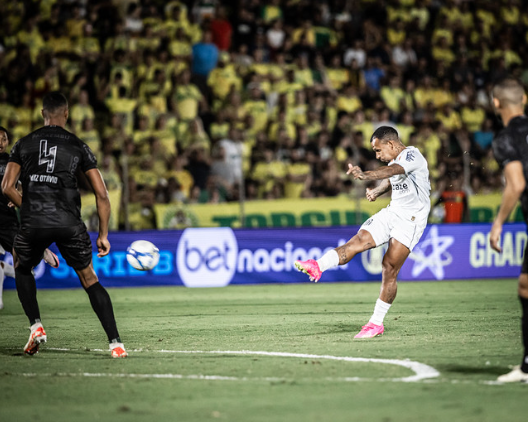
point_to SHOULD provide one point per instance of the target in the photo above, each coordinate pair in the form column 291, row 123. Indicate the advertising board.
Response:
column 216, row 257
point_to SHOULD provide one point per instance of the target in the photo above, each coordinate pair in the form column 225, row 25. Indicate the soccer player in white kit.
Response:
column 401, row 223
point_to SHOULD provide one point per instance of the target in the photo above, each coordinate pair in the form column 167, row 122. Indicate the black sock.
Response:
column 27, row 293
column 524, row 327
column 102, row 305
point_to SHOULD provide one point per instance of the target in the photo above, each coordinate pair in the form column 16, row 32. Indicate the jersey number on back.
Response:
column 47, row 156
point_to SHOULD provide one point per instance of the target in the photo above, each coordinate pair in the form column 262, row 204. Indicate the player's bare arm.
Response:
column 103, row 210
column 9, row 183
column 383, row 187
column 515, row 184
column 378, row 174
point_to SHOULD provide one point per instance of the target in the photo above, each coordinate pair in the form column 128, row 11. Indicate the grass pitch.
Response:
column 468, row 331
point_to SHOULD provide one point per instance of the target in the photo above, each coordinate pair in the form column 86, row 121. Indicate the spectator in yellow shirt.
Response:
column 271, row 11
column 396, row 33
column 76, row 22
column 472, row 116
column 337, row 75
column 303, row 73
column 257, row 107
column 442, row 52
column 90, row 136
column 392, row 94
column 305, row 32
column 187, row 98
column 81, row 111
column 449, row 118
column 223, row 77
column 269, row 172
column 424, row 93
column 298, row 176
column 349, row 101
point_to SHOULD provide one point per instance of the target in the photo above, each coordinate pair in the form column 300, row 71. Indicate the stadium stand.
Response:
column 200, row 96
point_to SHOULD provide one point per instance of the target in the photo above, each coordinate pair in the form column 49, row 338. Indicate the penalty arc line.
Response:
column 421, row 370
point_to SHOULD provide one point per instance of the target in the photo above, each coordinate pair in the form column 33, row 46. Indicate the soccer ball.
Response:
column 142, row 255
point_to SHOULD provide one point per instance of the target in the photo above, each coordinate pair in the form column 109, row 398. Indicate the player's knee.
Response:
column 87, row 276
column 363, row 239
column 390, row 270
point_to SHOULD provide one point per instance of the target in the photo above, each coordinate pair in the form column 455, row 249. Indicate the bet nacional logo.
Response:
column 207, row 257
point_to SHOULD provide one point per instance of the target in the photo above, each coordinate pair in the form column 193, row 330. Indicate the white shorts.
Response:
column 387, row 224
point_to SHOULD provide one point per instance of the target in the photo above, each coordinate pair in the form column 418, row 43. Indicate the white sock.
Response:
column 329, row 260
column 380, row 310
column 9, row 271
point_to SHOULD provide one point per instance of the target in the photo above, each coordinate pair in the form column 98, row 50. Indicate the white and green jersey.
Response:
column 411, row 190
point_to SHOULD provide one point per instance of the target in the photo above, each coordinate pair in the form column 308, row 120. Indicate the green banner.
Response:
column 300, row 212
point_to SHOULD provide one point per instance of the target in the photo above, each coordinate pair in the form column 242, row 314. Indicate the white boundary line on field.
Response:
column 421, row 370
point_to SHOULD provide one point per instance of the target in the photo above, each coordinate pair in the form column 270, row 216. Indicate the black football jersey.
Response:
column 511, row 144
column 49, row 158
column 8, row 215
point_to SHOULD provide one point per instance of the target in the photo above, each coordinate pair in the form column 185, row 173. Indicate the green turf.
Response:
column 469, row 331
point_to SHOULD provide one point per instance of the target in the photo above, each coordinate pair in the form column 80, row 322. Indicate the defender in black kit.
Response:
column 47, row 161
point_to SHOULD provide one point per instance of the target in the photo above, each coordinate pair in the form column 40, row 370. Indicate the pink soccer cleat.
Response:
column 51, row 259
column 310, row 267
column 370, row 330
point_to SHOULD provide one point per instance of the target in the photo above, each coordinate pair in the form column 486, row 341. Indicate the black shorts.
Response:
column 73, row 242
column 7, row 237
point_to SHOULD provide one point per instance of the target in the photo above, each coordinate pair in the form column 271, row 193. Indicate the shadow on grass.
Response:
column 10, row 351
column 463, row 369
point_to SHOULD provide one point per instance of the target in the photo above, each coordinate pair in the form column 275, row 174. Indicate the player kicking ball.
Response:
column 400, row 224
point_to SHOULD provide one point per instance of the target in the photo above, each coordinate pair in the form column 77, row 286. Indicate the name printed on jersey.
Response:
column 43, row 178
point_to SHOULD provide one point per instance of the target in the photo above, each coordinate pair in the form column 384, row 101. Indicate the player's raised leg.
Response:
column 339, row 256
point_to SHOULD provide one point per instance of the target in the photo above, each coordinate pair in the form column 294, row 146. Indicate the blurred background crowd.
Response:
column 205, row 101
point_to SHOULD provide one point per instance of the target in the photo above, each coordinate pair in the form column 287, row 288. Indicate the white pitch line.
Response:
column 157, row 376
column 421, row 370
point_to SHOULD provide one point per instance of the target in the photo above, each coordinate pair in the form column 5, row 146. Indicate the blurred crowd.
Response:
column 205, row 101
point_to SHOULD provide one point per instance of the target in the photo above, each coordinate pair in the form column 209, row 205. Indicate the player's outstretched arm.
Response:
column 9, row 183
column 378, row 174
column 103, row 210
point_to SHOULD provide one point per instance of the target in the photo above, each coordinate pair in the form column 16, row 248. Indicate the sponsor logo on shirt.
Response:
column 400, row 186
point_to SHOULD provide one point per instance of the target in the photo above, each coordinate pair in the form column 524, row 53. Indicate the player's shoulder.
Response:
column 410, row 153
column 506, row 136
column 518, row 126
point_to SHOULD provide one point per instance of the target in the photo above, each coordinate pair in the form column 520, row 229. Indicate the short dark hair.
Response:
column 54, row 101
column 385, row 133
column 509, row 90
column 3, row 129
